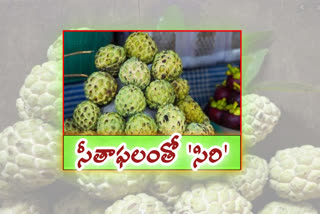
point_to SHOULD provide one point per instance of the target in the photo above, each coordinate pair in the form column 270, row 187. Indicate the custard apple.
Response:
column 135, row 72
column 23, row 206
column 86, row 115
column 250, row 181
column 89, row 132
column 276, row 207
column 141, row 46
column 181, row 88
column 137, row 204
column 295, row 173
column 259, row 116
column 100, row 88
column 191, row 110
column 29, row 156
column 70, row 127
column 168, row 187
column 109, row 58
column 170, row 119
column 54, row 52
column 141, row 124
column 166, row 65
column 78, row 202
column 41, row 94
column 112, row 185
column 130, row 100
column 212, row 198
column 111, row 124
column 198, row 129
column 159, row 93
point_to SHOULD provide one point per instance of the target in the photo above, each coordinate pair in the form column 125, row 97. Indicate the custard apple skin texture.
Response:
column 22, row 206
column 198, row 129
column 29, row 157
column 259, row 117
column 159, row 93
column 130, row 100
column 137, row 204
column 111, row 124
column 110, row 58
column 181, row 88
column 170, row 119
column 276, row 207
column 112, row 186
column 167, row 65
column 141, row 46
column 250, row 181
column 41, row 94
column 191, row 110
column 100, row 88
column 141, row 124
column 295, row 173
column 86, row 115
column 212, row 198
column 135, row 72
column 70, row 127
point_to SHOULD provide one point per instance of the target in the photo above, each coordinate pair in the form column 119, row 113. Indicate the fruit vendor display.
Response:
column 159, row 90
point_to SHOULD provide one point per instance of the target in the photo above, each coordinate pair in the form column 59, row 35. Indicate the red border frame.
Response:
column 240, row 31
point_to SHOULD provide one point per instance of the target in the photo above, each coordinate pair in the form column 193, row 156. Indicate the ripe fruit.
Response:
column 231, row 116
column 100, row 88
column 141, row 46
column 295, row 174
column 250, row 181
column 212, row 198
column 70, row 127
column 166, row 65
column 216, row 110
column 198, row 129
column 181, row 88
column 141, row 124
column 137, row 204
column 159, row 93
column 41, row 94
column 29, row 156
column 110, row 58
column 170, row 119
column 111, row 124
column 86, row 115
column 259, row 116
column 130, row 100
column 135, row 72
column 112, row 186
column 276, row 207
column 221, row 92
column 191, row 110
column 233, row 79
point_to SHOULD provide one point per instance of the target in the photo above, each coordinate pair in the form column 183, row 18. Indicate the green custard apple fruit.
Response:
column 86, row 115
column 295, row 174
column 191, row 110
column 259, row 116
column 130, row 100
column 170, row 119
column 135, row 72
column 100, row 88
column 137, row 204
column 212, row 198
column 141, row 46
column 30, row 157
column 112, row 185
column 141, row 124
column 250, row 181
column 276, row 207
column 159, row 93
column 109, row 58
column 198, row 129
column 41, row 94
column 111, row 124
column 166, row 65
column 70, row 127
column 181, row 88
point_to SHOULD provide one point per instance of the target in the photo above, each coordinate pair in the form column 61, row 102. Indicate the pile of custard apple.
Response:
column 145, row 89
